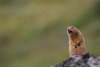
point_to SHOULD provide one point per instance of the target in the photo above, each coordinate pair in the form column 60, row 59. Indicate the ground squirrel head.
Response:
column 71, row 30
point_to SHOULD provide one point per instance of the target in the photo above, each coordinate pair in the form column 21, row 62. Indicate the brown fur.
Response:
column 76, row 41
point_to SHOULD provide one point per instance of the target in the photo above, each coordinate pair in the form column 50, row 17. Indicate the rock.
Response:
column 86, row 60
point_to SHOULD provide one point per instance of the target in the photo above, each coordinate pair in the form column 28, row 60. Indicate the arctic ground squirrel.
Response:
column 76, row 41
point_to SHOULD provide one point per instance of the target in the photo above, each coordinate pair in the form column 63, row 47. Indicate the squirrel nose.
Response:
column 68, row 29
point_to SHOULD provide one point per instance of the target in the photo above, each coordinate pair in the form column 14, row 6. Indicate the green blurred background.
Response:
column 33, row 32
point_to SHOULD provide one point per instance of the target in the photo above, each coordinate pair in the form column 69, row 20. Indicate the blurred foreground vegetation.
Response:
column 33, row 32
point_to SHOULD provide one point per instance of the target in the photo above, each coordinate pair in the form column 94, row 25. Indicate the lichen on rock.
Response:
column 86, row 60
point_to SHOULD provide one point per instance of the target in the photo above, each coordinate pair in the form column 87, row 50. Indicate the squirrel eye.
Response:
column 72, row 27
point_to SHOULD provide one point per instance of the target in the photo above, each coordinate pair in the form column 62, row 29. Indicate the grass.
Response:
column 33, row 33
